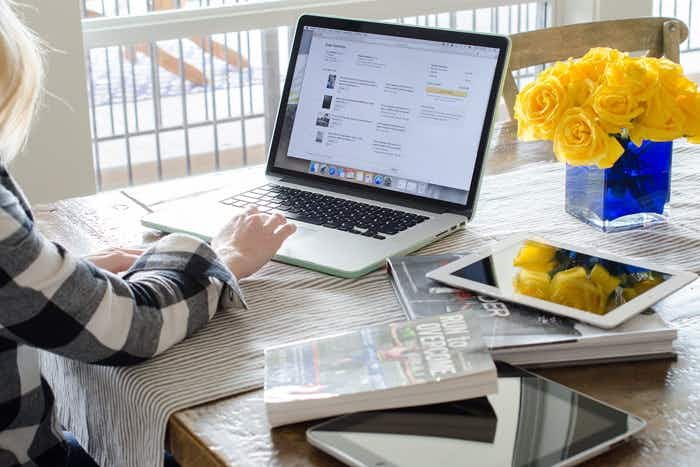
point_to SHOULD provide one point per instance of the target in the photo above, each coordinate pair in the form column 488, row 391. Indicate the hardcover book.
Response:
column 431, row 360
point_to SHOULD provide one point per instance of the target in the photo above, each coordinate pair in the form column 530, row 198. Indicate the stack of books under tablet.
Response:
column 525, row 336
column 426, row 361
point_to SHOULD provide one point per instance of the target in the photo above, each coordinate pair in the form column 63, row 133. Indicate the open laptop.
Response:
column 378, row 147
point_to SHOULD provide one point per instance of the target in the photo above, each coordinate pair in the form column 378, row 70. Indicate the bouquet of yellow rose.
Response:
column 587, row 107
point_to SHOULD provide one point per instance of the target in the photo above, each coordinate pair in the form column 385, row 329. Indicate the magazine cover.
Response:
column 502, row 324
column 376, row 358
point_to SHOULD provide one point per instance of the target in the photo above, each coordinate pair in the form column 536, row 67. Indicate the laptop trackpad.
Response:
column 313, row 244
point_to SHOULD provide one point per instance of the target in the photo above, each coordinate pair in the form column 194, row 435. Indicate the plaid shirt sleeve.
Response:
column 55, row 301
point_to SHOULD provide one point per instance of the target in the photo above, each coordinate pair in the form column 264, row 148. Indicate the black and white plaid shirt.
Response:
column 54, row 301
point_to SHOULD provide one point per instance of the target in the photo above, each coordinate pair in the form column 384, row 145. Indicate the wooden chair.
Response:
column 658, row 37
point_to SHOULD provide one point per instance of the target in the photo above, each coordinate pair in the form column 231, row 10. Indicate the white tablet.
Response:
column 531, row 421
column 580, row 283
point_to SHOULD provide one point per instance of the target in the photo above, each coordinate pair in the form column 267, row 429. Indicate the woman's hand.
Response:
column 115, row 260
column 250, row 240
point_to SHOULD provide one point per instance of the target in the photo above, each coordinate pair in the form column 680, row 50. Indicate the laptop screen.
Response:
column 397, row 113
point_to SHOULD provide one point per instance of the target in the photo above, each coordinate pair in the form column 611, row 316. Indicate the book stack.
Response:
column 426, row 361
column 525, row 336
column 444, row 352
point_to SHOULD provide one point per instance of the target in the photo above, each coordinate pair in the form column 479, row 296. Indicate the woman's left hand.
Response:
column 115, row 260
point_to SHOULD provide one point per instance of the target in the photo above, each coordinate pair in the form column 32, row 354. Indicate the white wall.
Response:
column 616, row 9
column 57, row 162
column 581, row 11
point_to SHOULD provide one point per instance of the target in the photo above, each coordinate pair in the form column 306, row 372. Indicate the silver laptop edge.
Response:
column 326, row 249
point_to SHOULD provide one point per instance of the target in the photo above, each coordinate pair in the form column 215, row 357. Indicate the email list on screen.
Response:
column 401, row 113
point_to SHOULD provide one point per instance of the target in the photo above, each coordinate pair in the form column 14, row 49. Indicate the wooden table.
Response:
column 234, row 431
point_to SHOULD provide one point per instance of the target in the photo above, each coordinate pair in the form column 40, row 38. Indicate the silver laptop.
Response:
column 378, row 147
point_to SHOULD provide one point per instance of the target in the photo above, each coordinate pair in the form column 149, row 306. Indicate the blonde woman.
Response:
column 80, row 308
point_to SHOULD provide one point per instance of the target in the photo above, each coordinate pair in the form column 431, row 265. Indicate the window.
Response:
column 192, row 104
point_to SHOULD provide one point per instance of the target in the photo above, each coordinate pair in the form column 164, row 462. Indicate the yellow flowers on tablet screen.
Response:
column 578, row 280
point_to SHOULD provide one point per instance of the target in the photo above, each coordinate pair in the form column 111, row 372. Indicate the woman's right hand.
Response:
column 250, row 240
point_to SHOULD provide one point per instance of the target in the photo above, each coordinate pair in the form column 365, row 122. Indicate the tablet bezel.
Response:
column 609, row 320
column 355, row 455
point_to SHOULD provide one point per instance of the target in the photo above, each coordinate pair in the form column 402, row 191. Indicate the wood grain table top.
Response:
column 234, row 431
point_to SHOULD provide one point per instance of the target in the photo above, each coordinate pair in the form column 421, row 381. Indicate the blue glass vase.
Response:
column 633, row 193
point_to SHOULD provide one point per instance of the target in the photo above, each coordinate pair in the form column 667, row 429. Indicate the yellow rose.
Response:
column 579, row 140
column 587, row 70
column 671, row 76
column 636, row 76
column 689, row 104
column 574, row 79
column 560, row 70
column 535, row 256
column 573, row 288
column 538, row 108
column 616, row 108
column 663, row 119
column 638, row 134
column 603, row 54
column 532, row 283
column 596, row 60
column 580, row 91
column 580, row 70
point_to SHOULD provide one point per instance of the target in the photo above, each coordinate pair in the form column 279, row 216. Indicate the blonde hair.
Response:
column 21, row 76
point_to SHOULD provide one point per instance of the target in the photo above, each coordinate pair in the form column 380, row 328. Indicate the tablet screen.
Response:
column 530, row 422
column 562, row 276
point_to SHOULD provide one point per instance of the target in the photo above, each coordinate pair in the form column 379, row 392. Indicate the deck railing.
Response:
column 180, row 87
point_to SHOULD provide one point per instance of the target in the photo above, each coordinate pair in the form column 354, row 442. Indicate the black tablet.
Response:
column 531, row 421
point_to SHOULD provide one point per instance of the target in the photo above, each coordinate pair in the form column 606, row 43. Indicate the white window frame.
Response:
column 174, row 24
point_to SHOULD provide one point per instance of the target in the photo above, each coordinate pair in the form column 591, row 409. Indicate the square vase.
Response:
column 633, row 193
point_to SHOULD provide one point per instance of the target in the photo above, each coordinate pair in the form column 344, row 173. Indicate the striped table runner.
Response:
column 120, row 414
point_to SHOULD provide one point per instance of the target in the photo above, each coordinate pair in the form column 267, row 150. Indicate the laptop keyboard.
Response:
column 328, row 211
